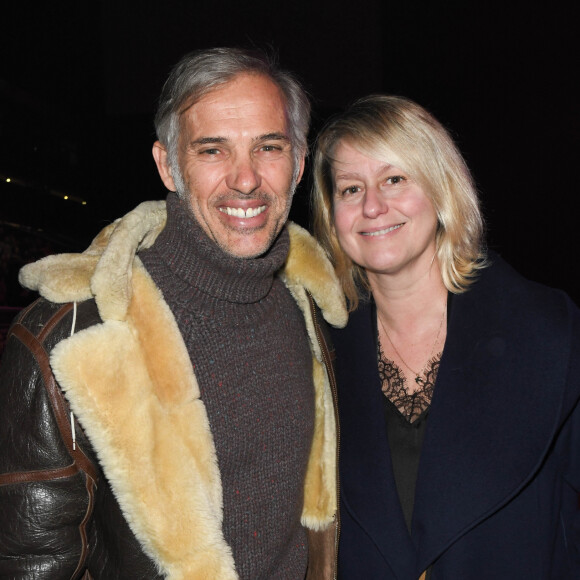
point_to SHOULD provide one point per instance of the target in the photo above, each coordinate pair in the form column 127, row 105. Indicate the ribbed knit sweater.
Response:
column 247, row 341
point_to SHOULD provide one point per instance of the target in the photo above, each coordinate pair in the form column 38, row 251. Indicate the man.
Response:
column 201, row 440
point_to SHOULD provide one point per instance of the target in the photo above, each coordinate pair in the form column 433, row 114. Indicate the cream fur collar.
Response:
column 104, row 270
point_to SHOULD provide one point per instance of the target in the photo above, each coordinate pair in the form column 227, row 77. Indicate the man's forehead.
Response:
column 246, row 84
column 249, row 103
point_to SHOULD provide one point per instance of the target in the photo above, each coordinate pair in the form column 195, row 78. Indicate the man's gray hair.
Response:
column 199, row 72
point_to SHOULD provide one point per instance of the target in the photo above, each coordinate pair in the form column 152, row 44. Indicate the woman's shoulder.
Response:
column 501, row 296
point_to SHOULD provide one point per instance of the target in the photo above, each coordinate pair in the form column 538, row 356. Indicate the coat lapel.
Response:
column 132, row 387
column 368, row 491
column 491, row 421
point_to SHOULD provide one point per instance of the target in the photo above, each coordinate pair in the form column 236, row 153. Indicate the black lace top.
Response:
column 406, row 417
column 394, row 386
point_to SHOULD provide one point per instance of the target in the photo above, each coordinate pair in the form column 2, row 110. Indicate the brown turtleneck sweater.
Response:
column 248, row 345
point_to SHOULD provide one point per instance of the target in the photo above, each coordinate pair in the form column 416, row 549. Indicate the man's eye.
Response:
column 211, row 151
column 269, row 148
column 395, row 179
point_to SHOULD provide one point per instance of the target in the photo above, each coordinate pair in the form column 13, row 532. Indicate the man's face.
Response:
column 237, row 164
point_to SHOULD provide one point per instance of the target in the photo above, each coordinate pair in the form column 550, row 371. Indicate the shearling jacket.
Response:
column 119, row 478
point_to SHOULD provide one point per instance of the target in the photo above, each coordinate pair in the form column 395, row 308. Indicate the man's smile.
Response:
column 241, row 213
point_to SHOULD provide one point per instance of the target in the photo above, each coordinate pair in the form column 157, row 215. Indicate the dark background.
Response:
column 79, row 83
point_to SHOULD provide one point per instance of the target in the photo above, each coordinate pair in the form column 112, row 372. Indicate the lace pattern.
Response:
column 394, row 386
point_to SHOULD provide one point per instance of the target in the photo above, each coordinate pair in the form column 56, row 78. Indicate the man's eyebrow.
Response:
column 273, row 136
column 208, row 140
column 266, row 137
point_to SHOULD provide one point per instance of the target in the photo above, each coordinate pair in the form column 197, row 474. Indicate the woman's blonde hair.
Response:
column 400, row 132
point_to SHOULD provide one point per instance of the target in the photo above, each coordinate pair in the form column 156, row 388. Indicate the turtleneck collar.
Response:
column 192, row 256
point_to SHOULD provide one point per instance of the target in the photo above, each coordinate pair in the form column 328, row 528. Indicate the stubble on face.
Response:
column 237, row 167
column 189, row 201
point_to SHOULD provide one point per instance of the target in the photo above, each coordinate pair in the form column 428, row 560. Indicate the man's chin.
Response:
column 246, row 253
column 248, row 246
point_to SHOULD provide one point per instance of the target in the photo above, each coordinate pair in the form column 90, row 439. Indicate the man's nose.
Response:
column 374, row 203
column 243, row 175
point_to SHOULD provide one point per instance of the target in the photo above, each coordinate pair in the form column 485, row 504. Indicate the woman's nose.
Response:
column 374, row 203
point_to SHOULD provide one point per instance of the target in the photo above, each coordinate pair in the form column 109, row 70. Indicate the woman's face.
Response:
column 384, row 221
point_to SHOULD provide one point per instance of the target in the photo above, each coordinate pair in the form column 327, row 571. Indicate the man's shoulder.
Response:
column 48, row 322
column 107, row 262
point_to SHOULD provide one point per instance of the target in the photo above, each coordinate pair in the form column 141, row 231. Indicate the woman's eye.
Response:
column 350, row 190
column 395, row 179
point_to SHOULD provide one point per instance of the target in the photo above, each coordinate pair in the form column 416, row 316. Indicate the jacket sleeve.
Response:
column 47, row 481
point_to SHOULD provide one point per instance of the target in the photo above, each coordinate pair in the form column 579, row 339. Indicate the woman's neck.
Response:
column 406, row 301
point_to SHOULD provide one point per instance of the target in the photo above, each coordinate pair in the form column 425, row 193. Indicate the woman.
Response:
column 458, row 381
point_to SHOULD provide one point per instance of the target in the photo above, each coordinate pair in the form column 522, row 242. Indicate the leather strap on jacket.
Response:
column 80, row 461
column 35, row 344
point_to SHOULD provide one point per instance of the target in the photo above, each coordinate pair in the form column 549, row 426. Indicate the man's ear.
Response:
column 301, row 168
column 160, row 156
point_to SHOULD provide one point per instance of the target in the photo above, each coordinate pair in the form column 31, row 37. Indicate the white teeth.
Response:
column 240, row 213
column 381, row 232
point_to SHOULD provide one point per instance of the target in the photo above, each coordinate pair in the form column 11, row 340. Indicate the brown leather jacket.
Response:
column 88, row 498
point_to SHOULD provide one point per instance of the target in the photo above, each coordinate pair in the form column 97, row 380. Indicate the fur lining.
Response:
column 103, row 271
column 132, row 387
column 308, row 266
column 111, row 283
column 320, row 501
column 60, row 278
column 131, row 384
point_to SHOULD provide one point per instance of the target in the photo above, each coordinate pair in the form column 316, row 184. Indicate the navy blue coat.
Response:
column 499, row 476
